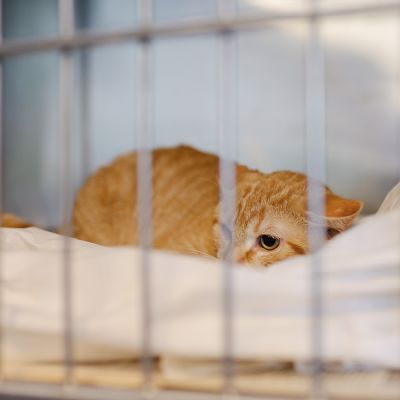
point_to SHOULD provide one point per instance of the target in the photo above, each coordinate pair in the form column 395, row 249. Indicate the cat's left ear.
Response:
column 340, row 212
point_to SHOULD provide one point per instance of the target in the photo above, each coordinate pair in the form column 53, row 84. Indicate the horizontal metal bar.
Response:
column 238, row 23
column 32, row 391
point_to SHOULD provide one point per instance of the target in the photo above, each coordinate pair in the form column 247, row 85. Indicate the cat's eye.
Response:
column 268, row 242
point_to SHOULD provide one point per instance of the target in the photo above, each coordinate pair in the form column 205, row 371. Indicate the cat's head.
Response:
column 271, row 216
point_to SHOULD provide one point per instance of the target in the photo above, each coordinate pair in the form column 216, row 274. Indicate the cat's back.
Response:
column 184, row 188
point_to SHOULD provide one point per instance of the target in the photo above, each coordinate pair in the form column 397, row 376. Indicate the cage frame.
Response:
column 224, row 26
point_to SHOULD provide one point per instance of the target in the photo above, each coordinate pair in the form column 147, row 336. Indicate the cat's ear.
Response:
column 340, row 212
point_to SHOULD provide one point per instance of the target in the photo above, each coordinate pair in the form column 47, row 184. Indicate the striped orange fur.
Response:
column 186, row 203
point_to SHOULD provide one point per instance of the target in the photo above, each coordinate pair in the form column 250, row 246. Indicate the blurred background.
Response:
column 362, row 55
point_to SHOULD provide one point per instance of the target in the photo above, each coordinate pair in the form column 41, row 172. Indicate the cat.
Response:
column 270, row 217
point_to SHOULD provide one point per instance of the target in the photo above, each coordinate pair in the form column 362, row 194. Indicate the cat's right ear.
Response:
column 340, row 213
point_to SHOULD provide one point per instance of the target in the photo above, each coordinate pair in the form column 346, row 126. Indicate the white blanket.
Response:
column 361, row 286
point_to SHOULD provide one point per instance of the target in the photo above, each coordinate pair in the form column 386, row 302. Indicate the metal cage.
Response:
column 225, row 26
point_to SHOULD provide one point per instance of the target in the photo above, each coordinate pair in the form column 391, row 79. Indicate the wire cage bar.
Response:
column 1, row 193
column 144, row 188
column 66, row 24
column 227, row 149
column 226, row 25
column 179, row 29
column 315, row 170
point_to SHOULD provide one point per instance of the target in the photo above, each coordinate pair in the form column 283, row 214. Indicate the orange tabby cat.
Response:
column 270, row 219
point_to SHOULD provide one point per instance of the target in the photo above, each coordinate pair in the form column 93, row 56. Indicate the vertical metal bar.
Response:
column 66, row 27
column 316, row 166
column 398, row 180
column 227, row 141
column 84, row 94
column 144, row 189
column 1, row 199
column 82, row 12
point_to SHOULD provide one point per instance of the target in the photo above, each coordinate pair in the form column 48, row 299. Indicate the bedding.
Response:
column 391, row 201
column 360, row 325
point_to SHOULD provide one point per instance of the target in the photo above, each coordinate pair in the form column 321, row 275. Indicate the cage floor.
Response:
column 383, row 385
